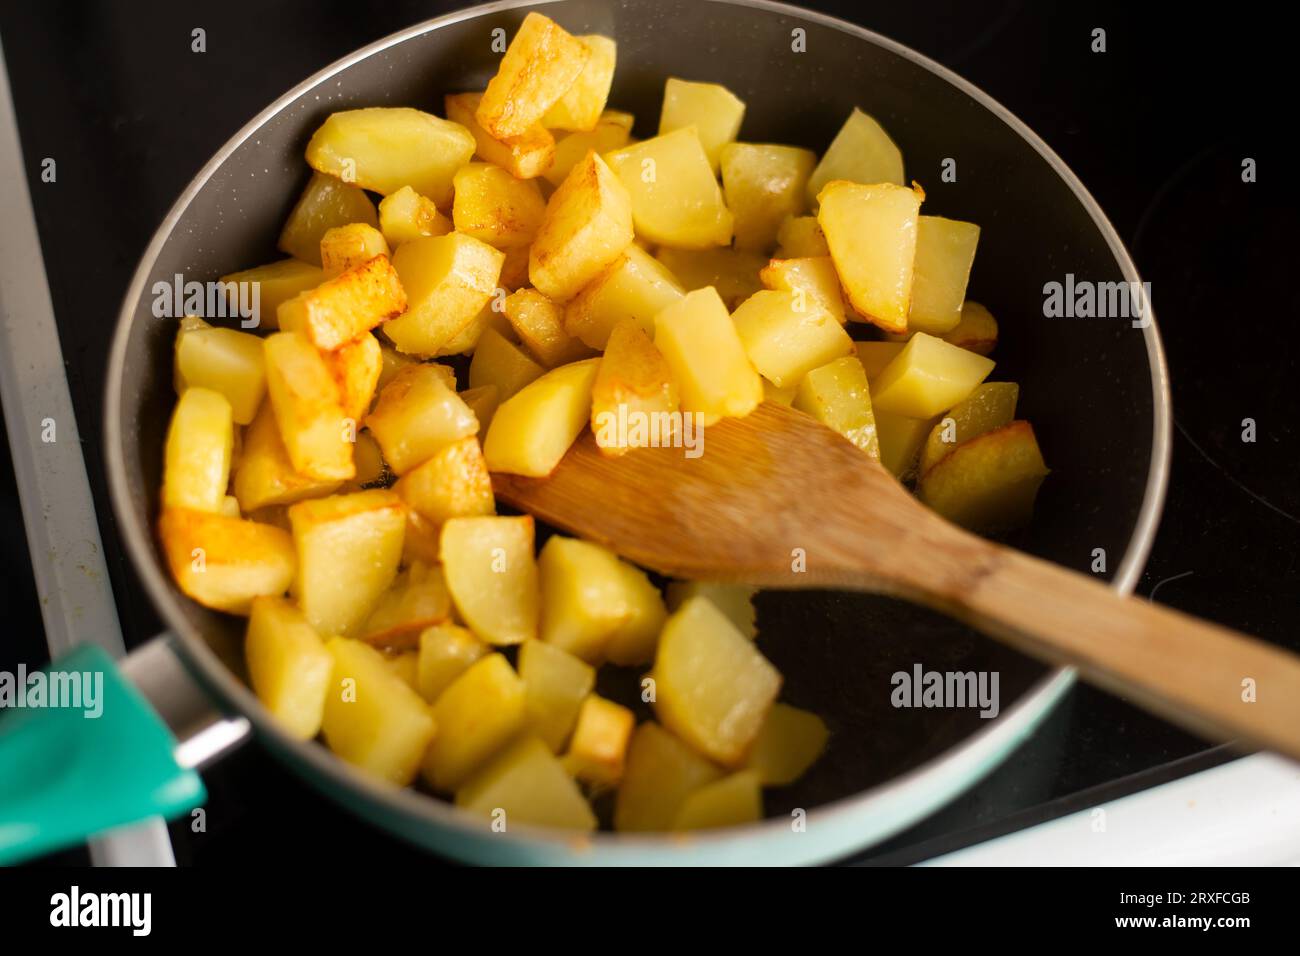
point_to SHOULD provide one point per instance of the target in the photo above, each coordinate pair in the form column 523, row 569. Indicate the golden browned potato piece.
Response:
column 325, row 203
column 356, row 367
column 495, row 207
column 418, row 599
column 633, row 383
column 540, row 65
column 406, row 215
column 454, row 483
column 989, row 483
column 265, row 475
column 580, row 107
column 308, row 408
column 977, row 331
column 341, row 309
column 525, row 156
column 448, row 280
column 346, row 247
column 278, row 282
column 417, row 414
column 222, row 562
column 539, row 323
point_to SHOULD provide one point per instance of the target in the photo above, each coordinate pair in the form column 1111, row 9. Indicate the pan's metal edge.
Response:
column 892, row 805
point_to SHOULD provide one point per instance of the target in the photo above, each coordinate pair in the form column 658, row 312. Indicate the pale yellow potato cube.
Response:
column 789, row 743
column 699, row 341
column 325, row 203
column 393, row 362
column 373, row 720
column 343, row 308
column 527, row 785
column 196, row 460
column 735, row 800
column 308, row 408
column 581, row 105
column 532, row 429
column 454, row 483
column 991, row 405
column 876, row 356
column 539, row 324
column 977, row 331
column 357, row 535
column 612, row 131
column 945, row 252
column 418, row 599
column 900, row 440
column 383, row 148
column 446, row 652
column 490, row 568
column 801, row 237
column 540, row 65
column 929, row 376
column 598, row 747
column 288, row 666
column 346, row 247
column 477, row 716
column 493, row 206
column 812, row 280
column 871, row 231
column 782, row 396
column 501, row 364
column 734, row 273
column 837, row 395
column 404, row 665
column 861, row 152
column 483, row 402
column 660, row 773
column 713, row 688
column 556, row 684
column 637, row 286
column 224, row 361
column 405, row 215
column 588, row 224
column 525, row 156
column 988, row 484
column 714, row 111
column 786, row 336
column 265, row 476
column 418, row 414
column 448, row 280
column 277, row 282
column 736, row 601
column 356, row 367
column 635, row 640
column 222, row 562
column 634, row 401
column 763, row 185
column 676, row 201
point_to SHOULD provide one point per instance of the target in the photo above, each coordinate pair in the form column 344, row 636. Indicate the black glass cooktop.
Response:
column 1157, row 127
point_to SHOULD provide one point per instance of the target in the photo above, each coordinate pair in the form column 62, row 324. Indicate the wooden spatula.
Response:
column 777, row 484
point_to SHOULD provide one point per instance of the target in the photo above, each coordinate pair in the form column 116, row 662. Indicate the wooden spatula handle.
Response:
column 1212, row 680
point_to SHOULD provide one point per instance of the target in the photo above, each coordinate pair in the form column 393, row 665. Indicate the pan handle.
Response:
column 86, row 745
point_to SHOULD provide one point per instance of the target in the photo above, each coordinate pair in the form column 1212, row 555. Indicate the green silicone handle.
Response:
column 82, row 751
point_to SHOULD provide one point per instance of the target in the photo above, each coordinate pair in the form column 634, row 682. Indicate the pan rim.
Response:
column 895, row 803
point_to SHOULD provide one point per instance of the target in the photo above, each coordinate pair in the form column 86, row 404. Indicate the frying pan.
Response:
column 1095, row 389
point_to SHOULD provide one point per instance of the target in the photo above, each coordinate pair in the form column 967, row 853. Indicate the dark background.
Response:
column 1156, row 127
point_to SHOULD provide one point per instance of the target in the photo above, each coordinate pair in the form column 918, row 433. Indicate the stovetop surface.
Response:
column 1157, row 128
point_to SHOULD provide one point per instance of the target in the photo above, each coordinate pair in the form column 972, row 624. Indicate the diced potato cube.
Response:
column 734, row 800
column 344, row 308
column 454, row 483
column 929, row 376
column 482, row 401
column 265, row 475
column 308, row 408
column 373, row 720
column 369, row 460
column 525, row 156
column 900, row 440
column 542, row 62
column 477, row 716
column 945, row 252
column 514, row 271
column 556, row 684
column 196, row 462
column 732, row 272
column 989, row 406
column 634, row 642
column 634, row 398
column 812, row 280
column 223, row 563
column 356, row 367
column 493, row 206
column 527, row 784
column 707, row 358
column 384, row 148
column 581, row 105
column 871, row 231
column 588, row 224
column 988, row 484
column 448, row 280
column 782, row 396
column 713, row 688
column 675, row 198
column 838, row 396
column 876, row 356
column 224, row 361
column 533, row 428
column 539, row 323
column 346, row 247
column 278, row 282
column 736, row 601
column 789, row 743
column 288, row 666
column 714, row 111
column 611, row 132
column 357, row 535
column 325, row 203
column 636, row 286
column 660, row 773
column 977, row 331
column 404, row 665
column 418, row 599
column 406, row 215
column 861, row 152
column 786, row 336
column 489, row 565
column 598, row 748
column 501, row 364
column 446, row 652
column 801, row 237
column 418, row 414
column 764, row 184
column 393, row 362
